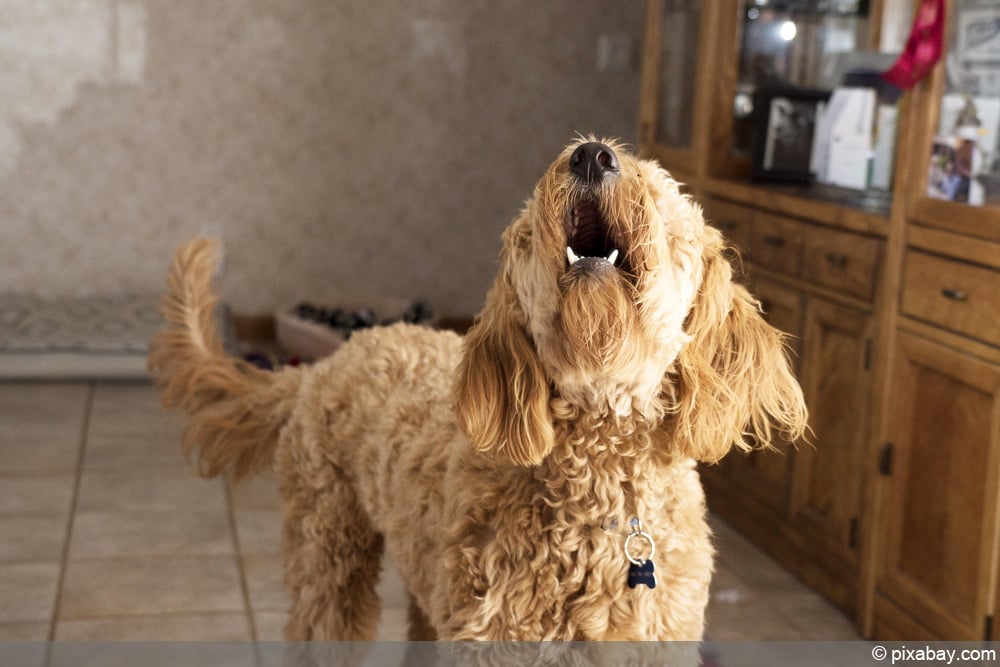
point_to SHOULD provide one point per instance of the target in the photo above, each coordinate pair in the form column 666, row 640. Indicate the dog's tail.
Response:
column 236, row 410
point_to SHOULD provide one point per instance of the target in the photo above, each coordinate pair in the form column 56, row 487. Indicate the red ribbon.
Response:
column 923, row 47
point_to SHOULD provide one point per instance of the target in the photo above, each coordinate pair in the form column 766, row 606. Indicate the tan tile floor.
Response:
column 105, row 533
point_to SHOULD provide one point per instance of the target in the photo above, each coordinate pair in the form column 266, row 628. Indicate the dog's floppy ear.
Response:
column 732, row 384
column 501, row 393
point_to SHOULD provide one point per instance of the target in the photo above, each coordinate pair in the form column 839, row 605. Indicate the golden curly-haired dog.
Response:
column 505, row 472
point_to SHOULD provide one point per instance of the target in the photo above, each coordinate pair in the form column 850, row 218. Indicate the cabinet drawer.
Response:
column 777, row 243
column 961, row 297
column 842, row 261
column 731, row 219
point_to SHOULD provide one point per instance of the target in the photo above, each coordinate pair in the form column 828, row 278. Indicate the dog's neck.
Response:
column 622, row 430
column 624, row 407
column 603, row 466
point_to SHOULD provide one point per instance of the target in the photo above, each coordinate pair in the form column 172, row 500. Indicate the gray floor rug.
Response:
column 103, row 336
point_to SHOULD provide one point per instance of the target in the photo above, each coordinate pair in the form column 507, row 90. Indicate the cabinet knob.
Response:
column 955, row 294
column 775, row 241
column 836, row 258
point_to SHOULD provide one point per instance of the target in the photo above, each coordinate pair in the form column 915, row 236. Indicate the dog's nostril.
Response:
column 593, row 161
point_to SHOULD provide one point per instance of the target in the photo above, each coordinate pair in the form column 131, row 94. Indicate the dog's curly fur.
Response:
column 494, row 468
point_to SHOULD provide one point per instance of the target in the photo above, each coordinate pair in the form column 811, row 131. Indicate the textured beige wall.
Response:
column 342, row 149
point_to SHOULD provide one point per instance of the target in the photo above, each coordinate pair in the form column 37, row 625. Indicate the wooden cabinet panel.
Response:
column 766, row 474
column 957, row 296
column 776, row 243
column 942, row 507
column 842, row 261
column 827, row 486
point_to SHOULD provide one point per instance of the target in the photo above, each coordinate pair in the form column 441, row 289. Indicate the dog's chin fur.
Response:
column 488, row 466
column 595, row 320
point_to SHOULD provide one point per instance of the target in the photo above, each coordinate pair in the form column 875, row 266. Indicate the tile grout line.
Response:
column 164, row 556
column 78, row 475
column 240, row 566
column 241, row 571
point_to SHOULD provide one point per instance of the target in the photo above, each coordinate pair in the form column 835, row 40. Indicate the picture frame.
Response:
column 974, row 58
column 945, row 180
column 785, row 127
column 977, row 38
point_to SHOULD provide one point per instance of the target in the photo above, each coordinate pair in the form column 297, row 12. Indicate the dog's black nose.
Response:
column 592, row 162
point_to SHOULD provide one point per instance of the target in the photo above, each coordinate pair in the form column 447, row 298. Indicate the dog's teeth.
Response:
column 613, row 257
column 571, row 256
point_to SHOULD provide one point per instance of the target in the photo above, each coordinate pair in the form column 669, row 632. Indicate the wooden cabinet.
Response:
column 941, row 465
column 933, row 542
column 935, row 538
column 892, row 300
column 803, row 502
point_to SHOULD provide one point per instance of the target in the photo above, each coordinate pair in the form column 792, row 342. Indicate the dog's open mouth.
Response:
column 589, row 241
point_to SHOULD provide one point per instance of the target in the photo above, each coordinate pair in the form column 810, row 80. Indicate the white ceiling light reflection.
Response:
column 788, row 31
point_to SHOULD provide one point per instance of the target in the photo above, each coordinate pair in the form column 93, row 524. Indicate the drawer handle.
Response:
column 955, row 294
column 775, row 241
column 836, row 258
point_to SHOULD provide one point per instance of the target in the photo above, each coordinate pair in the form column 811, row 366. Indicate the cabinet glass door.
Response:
column 783, row 43
column 678, row 45
column 964, row 162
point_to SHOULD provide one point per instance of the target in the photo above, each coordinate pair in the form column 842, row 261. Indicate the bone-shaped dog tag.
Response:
column 641, row 574
column 640, row 570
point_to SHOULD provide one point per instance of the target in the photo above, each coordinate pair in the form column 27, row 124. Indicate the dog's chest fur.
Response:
column 543, row 558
